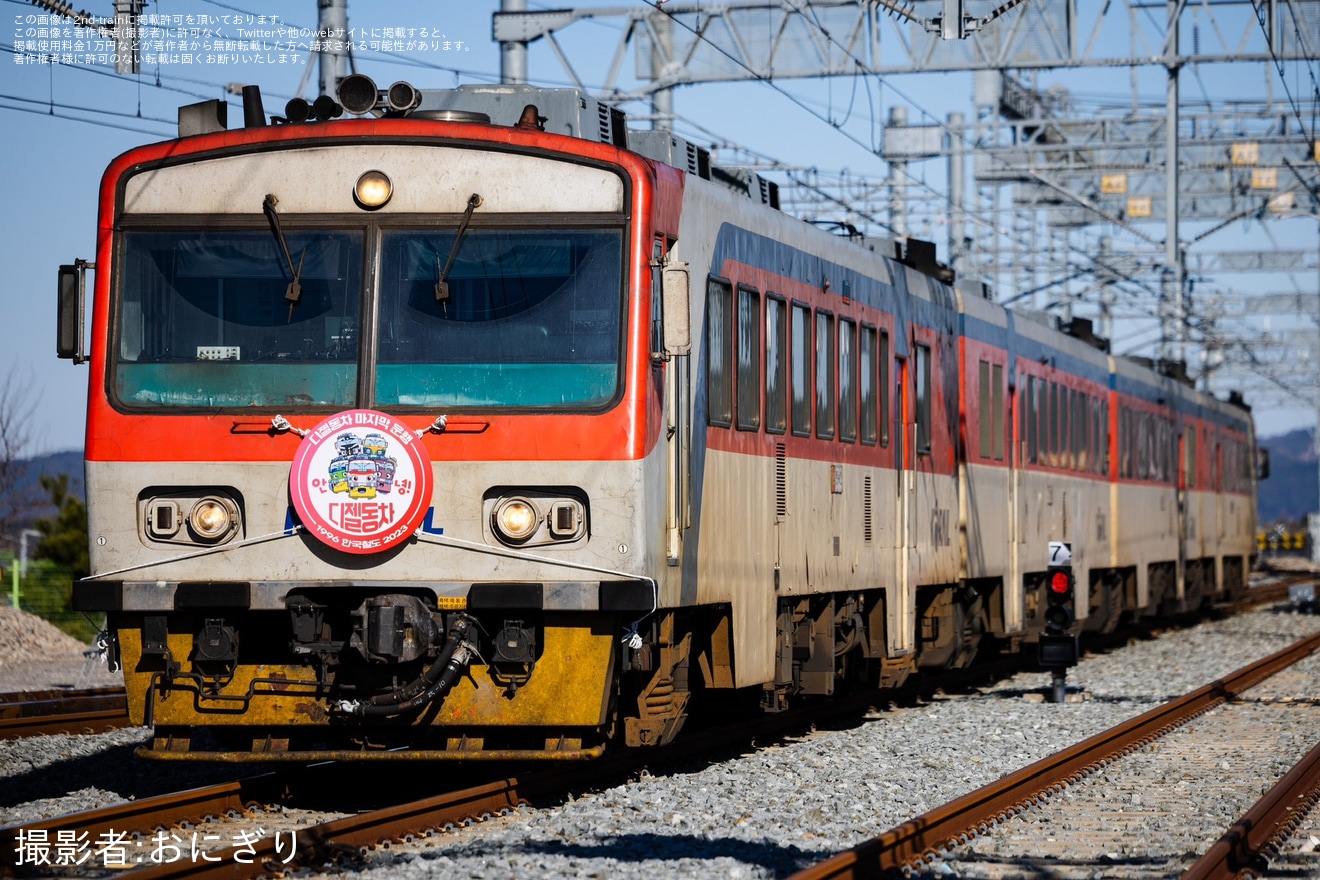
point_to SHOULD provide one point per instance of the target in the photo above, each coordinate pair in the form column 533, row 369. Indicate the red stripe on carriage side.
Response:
column 762, row 443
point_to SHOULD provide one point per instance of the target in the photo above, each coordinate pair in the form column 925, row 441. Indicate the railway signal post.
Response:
column 1059, row 648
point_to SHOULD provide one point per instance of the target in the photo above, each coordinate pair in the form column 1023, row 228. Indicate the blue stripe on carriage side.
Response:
column 779, row 258
column 1169, row 393
column 1016, row 345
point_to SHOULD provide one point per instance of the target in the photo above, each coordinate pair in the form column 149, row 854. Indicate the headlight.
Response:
column 516, row 519
column 189, row 515
column 373, row 190
column 211, row 519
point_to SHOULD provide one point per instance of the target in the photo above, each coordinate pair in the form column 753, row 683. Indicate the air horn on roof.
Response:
column 359, row 96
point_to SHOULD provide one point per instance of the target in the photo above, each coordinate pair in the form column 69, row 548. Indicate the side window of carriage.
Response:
column 719, row 352
column 776, row 364
column 921, row 378
column 800, row 365
column 1031, row 420
column 983, row 405
column 990, row 400
column 749, row 358
column 825, row 361
column 883, row 389
column 847, row 380
column 870, row 399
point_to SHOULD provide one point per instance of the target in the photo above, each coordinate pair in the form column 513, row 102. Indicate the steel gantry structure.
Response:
column 1075, row 206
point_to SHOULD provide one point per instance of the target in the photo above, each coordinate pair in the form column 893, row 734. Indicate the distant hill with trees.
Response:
column 1290, row 492
column 47, row 494
column 29, row 501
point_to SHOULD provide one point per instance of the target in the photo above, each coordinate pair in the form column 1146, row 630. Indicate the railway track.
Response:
column 1270, row 586
column 33, row 713
column 174, row 810
column 329, row 841
column 952, row 825
column 1254, row 839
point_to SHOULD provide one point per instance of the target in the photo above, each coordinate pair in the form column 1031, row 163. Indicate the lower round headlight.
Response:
column 210, row 519
column 516, row 519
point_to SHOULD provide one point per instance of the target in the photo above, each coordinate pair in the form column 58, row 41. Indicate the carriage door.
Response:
column 1013, row 422
column 676, row 404
column 1186, row 479
column 900, row 599
column 1217, row 486
column 1024, row 454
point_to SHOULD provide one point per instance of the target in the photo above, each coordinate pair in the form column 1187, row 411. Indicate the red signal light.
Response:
column 1059, row 582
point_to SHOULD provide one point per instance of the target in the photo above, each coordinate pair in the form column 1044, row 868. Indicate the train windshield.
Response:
column 204, row 320
column 526, row 319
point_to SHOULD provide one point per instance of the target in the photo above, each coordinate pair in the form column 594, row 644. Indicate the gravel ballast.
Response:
column 34, row 655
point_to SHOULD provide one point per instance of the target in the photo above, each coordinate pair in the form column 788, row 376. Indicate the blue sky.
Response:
column 57, row 144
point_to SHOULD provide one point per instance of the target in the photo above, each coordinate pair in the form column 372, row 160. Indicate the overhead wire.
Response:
column 101, row 122
column 1087, row 255
column 1262, row 18
column 859, row 76
column 803, row 105
column 1186, row 319
column 397, row 57
column 63, row 106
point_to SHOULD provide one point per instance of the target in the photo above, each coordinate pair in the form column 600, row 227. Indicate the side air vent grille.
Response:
column 613, row 127
column 698, row 161
column 866, row 509
column 781, row 481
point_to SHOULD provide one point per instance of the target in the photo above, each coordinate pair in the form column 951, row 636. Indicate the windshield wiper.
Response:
column 441, row 285
column 294, row 291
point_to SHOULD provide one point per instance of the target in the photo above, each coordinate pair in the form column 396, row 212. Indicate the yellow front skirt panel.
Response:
column 569, row 687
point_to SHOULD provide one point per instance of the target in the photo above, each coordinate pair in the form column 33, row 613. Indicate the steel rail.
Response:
column 43, row 712
column 162, row 811
column 1250, row 842
column 330, row 841
column 1260, row 593
column 56, row 694
column 908, row 844
column 71, row 723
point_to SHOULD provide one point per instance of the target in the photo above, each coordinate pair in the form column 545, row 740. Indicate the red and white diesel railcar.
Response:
column 461, row 431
